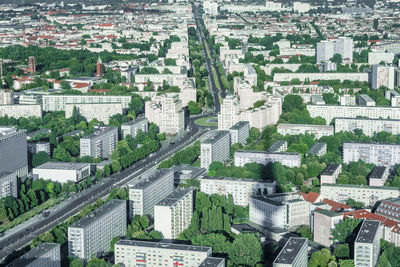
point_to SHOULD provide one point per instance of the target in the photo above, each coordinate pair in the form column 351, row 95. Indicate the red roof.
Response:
column 80, row 85
column 364, row 214
column 310, row 196
column 335, row 205
column 99, row 90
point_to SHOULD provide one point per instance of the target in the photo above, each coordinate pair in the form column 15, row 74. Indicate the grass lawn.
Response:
column 206, row 123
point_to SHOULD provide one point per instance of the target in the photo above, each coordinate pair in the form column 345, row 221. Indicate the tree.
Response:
column 342, row 251
column 337, row 58
column 305, row 231
column 344, row 230
column 320, row 258
column 330, row 98
column 292, row 102
column 75, row 262
column 217, row 241
column 40, row 158
column 245, row 250
column 194, row 107
column 113, row 242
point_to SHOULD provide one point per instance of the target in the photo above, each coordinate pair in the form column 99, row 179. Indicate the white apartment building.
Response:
column 367, row 244
column 8, row 184
column 18, row 111
column 44, row 255
column 166, row 111
column 240, row 189
column 318, row 149
column 378, row 176
column 281, row 77
column 149, row 191
column 36, row 147
column 100, row 144
column 135, row 253
column 279, row 210
column 243, row 157
column 230, row 112
column 383, row 76
column 295, row 129
column 393, row 97
column 62, row 172
column 301, row 7
column 347, row 100
column 13, row 151
column 324, row 223
column 330, row 112
column 215, row 148
column 102, row 112
column 93, row 233
column 58, row 102
column 294, row 253
column 330, row 174
column 240, row 132
column 6, row 98
column 378, row 57
column 327, row 48
column 386, row 155
column 188, row 91
column 132, row 127
column 173, row 214
column 368, row 195
column 368, row 126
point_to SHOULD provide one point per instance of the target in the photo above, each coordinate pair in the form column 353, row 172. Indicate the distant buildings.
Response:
column 240, row 132
column 13, row 151
column 294, row 129
column 331, row 173
column 368, row 126
column 173, row 214
column 100, row 144
column 379, row 154
column 133, row 127
column 8, row 184
column 383, row 76
column 18, row 111
column 215, row 148
column 32, row 64
column 327, row 48
column 99, row 68
column 100, row 111
column 229, row 114
column 260, row 157
column 324, row 223
column 149, row 191
column 367, row 244
column 294, row 253
column 93, row 233
column 62, row 172
column 44, row 255
column 240, row 189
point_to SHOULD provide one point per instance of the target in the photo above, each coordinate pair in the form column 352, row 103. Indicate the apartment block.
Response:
column 58, row 102
column 279, row 210
column 6, row 98
column 240, row 132
column 367, row 244
column 379, row 154
column 44, row 255
column 341, row 76
column 93, row 233
column 330, row 174
column 62, row 172
column 324, row 223
column 294, row 253
column 13, row 151
column 229, row 114
column 368, row 195
column 318, row 149
column 295, row 129
column 149, row 191
column 378, row 176
column 278, row 146
column 260, row 157
column 393, row 97
column 173, row 214
column 8, row 184
column 100, row 144
column 215, row 148
column 383, row 76
column 366, row 100
column 240, row 189
column 389, row 208
column 368, row 126
column 18, row 111
column 327, row 48
column 36, row 147
column 100, row 111
column 133, row 127
column 347, row 100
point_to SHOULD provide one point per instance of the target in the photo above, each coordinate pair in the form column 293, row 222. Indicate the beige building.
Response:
column 295, row 129
column 330, row 174
column 368, row 126
column 18, row 111
column 102, row 112
column 324, row 222
column 215, row 148
column 367, row 244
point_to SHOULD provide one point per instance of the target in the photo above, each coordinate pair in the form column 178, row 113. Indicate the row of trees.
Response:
column 186, row 156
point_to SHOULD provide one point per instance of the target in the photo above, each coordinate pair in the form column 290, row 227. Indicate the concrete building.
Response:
column 368, row 195
column 100, row 144
column 215, row 148
column 283, row 210
column 8, row 184
column 173, row 214
column 344, row 47
column 382, row 76
column 62, row 172
column 294, row 253
column 368, row 126
column 240, row 132
column 389, row 208
column 240, row 189
column 347, row 100
column 378, row 176
column 393, row 97
column 229, row 114
column 366, row 100
column 331, row 173
column 36, row 147
column 149, row 191
column 367, row 244
column 327, row 48
column 13, row 151
column 278, row 146
column 44, row 255
column 378, row 57
column 6, row 97
column 58, row 102
column 166, row 111
column 301, row 7
column 184, row 172
column 318, row 149
column 135, row 253
column 18, row 111
column 342, row 76
column 100, row 111
column 260, row 157
column 133, row 127
column 93, row 233
column 376, row 153
column 324, row 223
column 295, row 129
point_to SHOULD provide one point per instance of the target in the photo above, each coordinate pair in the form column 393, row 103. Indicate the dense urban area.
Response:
column 201, row 133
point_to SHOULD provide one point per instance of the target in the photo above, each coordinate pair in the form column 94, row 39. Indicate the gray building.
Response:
column 185, row 172
column 215, row 148
column 278, row 146
column 44, row 255
column 240, row 132
column 93, row 233
column 134, row 126
column 318, row 149
column 100, row 144
column 36, row 147
column 8, row 184
column 367, row 244
column 149, row 191
column 13, row 151
column 366, row 100
column 213, row 262
column 243, row 157
column 293, row 254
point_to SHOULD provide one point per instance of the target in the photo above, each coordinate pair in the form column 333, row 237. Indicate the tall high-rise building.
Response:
column 99, row 68
column 230, row 111
column 344, row 47
column 100, row 144
column 132, row 127
column 44, row 255
column 293, row 254
column 32, row 64
column 93, row 233
column 240, row 132
column 13, row 151
column 367, row 244
column 215, row 148
column 327, row 48
column 383, row 76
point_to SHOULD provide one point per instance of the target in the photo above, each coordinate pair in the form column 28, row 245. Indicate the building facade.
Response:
column 240, row 132
column 18, row 111
column 230, row 112
column 367, row 244
column 100, row 144
column 215, row 148
column 383, row 76
column 100, row 111
column 330, row 174
column 324, row 223
column 8, row 184
column 62, row 172
column 243, row 157
column 294, row 253
column 44, row 255
column 13, row 151
column 368, row 126
column 133, row 127
column 295, row 129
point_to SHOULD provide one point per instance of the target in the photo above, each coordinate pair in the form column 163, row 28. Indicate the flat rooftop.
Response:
column 174, row 197
column 362, row 186
column 63, row 165
column 239, row 125
column 368, row 231
column 34, row 254
column 151, row 178
column 378, row 172
column 215, row 137
column 316, row 148
column 137, row 121
column 330, row 169
column 366, row 98
column 290, row 251
column 100, row 132
column 162, row 245
column 249, row 180
column 328, row 213
column 4, row 174
column 212, row 262
column 267, row 200
column 277, row 145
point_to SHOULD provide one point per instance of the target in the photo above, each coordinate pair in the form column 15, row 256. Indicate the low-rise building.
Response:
column 215, row 148
column 44, row 255
column 294, row 253
column 378, row 176
column 368, row 126
column 295, row 129
column 278, row 146
column 324, row 223
column 330, row 174
column 133, row 127
column 389, row 208
column 36, row 147
column 318, row 149
column 8, row 184
column 62, row 172
column 367, row 244
column 240, row 132
column 243, row 157
column 100, row 144
column 99, row 111
column 393, row 97
column 18, row 111
column 366, row 100
column 347, row 100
